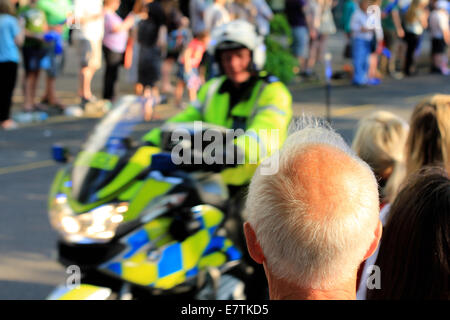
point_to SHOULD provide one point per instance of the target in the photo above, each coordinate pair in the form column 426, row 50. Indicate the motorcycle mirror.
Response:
column 60, row 153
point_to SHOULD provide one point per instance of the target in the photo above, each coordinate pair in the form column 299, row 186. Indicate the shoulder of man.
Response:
column 273, row 82
column 268, row 78
column 274, row 87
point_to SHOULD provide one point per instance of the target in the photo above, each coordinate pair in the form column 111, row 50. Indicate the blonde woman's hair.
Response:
column 429, row 137
column 6, row 7
column 380, row 141
column 411, row 14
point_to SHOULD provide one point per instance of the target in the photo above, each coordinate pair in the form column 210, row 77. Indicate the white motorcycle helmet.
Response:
column 237, row 34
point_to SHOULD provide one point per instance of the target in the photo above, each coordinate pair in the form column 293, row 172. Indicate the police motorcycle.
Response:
column 135, row 224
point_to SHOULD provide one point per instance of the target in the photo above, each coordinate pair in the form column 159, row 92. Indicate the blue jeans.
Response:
column 300, row 41
column 361, row 52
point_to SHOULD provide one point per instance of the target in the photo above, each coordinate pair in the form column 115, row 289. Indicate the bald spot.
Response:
column 330, row 181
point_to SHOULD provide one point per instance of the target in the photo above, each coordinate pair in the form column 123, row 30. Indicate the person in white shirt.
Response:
column 88, row 39
column 263, row 17
column 197, row 15
column 361, row 41
column 439, row 27
column 216, row 15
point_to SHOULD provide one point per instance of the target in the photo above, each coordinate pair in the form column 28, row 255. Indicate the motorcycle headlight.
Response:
column 97, row 225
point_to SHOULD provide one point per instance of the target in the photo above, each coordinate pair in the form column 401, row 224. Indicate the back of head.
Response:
column 315, row 217
column 429, row 137
column 6, row 7
column 380, row 141
column 415, row 247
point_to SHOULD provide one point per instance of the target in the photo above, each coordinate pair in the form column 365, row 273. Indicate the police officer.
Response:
column 242, row 97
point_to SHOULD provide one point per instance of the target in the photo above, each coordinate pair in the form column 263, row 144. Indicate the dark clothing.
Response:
column 113, row 62
column 8, row 70
column 149, row 65
column 184, row 7
column 147, row 34
column 438, row 46
column 156, row 13
column 32, row 58
column 148, row 29
column 125, row 8
column 412, row 41
column 295, row 13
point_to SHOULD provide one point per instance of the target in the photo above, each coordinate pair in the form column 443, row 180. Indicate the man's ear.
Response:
column 377, row 236
column 254, row 249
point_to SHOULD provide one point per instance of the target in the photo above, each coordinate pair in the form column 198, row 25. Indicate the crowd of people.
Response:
column 389, row 48
column 150, row 38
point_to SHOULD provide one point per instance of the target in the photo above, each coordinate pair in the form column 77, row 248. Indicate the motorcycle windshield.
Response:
column 108, row 149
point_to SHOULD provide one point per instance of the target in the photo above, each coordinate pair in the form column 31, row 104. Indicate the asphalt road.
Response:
column 27, row 243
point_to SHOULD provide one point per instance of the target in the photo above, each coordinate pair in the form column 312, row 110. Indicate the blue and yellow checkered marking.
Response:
column 173, row 262
column 136, row 241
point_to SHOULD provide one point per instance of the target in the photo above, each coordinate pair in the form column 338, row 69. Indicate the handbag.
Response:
column 327, row 25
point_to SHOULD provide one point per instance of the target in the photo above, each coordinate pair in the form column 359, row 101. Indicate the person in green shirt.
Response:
column 56, row 12
column 392, row 31
column 33, row 51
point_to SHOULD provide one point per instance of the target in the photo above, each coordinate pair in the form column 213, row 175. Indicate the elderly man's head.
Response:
column 313, row 222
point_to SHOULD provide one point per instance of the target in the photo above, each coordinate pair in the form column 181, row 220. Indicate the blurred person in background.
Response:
column 11, row 37
column 57, row 13
column 440, row 37
column 177, row 38
column 347, row 12
column 416, row 21
column 376, row 46
column 114, row 44
column 188, row 68
column 415, row 247
column 263, row 17
column 392, row 34
column 197, row 15
column 216, row 15
column 361, row 44
column 33, row 51
column 89, row 14
column 324, row 26
column 243, row 10
column 427, row 144
column 428, row 141
column 380, row 141
column 152, row 36
column 302, row 29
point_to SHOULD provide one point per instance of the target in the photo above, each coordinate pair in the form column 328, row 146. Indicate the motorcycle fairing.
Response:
column 80, row 292
column 154, row 259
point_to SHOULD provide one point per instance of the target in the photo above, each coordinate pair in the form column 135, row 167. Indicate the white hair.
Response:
column 309, row 252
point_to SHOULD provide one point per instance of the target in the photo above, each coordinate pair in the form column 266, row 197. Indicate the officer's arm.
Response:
column 192, row 113
column 266, row 132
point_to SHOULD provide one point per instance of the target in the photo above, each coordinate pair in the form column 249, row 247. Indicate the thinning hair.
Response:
column 380, row 141
column 299, row 247
column 429, row 136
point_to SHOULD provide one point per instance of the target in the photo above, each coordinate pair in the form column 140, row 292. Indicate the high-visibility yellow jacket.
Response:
column 264, row 114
